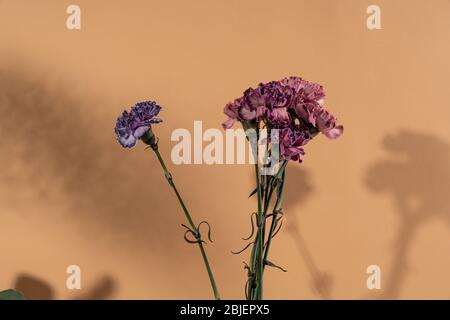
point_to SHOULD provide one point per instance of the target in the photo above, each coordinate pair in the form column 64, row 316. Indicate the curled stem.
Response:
column 192, row 229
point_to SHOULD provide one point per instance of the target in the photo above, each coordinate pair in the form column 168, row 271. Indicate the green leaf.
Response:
column 11, row 294
column 256, row 190
column 271, row 264
column 253, row 192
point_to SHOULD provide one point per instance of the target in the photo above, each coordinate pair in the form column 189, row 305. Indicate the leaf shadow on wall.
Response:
column 416, row 174
column 61, row 151
column 35, row 288
column 298, row 188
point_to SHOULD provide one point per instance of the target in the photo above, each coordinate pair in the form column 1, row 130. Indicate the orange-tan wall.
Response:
column 70, row 195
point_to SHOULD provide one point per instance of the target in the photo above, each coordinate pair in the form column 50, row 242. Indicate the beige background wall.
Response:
column 70, row 195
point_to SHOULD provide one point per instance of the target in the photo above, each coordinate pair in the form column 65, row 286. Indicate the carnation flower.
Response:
column 291, row 141
column 326, row 123
column 133, row 125
column 292, row 111
column 279, row 117
column 136, row 124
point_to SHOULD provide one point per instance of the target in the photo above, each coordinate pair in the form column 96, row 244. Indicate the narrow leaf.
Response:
column 271, row 264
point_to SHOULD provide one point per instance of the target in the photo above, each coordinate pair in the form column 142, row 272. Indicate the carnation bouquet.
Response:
column 280, row 118
column 289, row 114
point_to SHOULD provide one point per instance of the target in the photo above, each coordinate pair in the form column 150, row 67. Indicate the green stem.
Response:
column 188, row 217
column 258, row 255
column 260, row 239
column 276, row 208
column 256, row 264
column 259, row 261
column 268, row 193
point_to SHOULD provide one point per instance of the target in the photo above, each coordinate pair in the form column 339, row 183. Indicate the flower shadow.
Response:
column 298, row 189
column 63, row 162
column 60, row 149
column 416, row 174
column 35, row 288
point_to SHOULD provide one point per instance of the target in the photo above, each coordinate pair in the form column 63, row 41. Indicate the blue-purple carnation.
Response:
column 131, row 126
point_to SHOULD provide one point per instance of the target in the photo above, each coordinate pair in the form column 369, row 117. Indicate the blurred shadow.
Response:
column 62, row 158
column 417, row 176
column 35, row 288
column 298, row 188
column 102, row 289
column 61, row 149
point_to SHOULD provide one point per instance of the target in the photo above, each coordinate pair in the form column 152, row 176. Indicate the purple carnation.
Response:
column 292, row 105
column 291, row 141
column 131, row 126
column 232, row 110
column 279, row 117
column 254, row 105
column 280, row 103
column 326, row 123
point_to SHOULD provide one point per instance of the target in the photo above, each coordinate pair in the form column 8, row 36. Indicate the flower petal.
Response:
column 127, row 142
column 229, row 123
